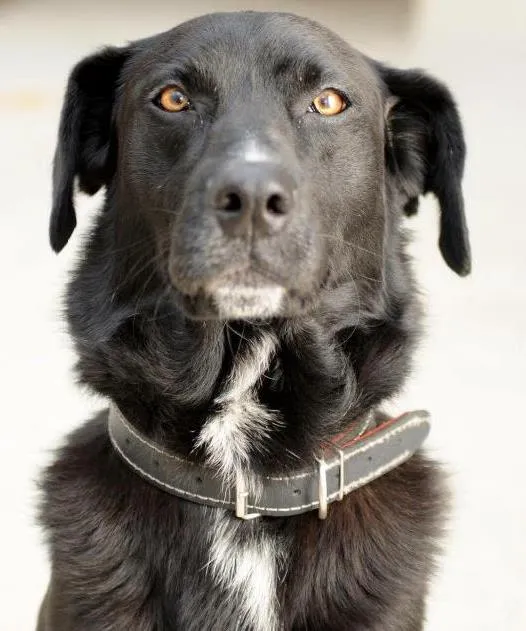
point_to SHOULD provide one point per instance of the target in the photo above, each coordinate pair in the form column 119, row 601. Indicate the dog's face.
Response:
column 265, row 158
column 243, row 149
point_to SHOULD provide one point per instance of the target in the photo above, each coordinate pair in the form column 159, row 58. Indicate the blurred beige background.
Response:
column 470, row 370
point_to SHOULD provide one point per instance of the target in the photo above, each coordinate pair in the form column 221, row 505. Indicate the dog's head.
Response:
column 258, row 160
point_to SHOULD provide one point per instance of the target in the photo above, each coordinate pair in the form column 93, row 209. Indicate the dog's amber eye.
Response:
column 173, row 99
column 329, row 103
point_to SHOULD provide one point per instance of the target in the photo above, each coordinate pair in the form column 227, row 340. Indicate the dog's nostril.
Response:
column 276, row 204
column 230, row 202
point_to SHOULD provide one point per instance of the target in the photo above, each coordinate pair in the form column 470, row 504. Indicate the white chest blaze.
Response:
column 246, row 567
column 241, row 421
column 247, row 570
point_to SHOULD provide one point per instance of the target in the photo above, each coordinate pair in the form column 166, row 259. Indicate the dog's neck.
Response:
column 237, row 394
column 276, row 389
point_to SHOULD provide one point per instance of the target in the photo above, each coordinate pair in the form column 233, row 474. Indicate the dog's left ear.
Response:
column 86, row 144
column 426, row 151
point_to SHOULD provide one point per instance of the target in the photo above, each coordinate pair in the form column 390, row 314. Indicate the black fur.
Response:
column 126, row 555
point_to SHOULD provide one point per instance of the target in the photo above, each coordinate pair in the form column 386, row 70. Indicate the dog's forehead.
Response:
column 270, row 42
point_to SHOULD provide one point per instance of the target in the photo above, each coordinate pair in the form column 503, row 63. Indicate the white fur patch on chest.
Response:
column 243, row 562
column 241, row 422
column 247, row 569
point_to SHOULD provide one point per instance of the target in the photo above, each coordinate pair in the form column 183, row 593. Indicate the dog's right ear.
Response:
column 86, row 143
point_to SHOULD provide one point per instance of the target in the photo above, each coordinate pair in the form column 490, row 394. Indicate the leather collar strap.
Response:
column 351, row 460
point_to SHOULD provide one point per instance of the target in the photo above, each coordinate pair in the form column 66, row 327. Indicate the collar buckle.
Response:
column 242, row 499
column 322, row 488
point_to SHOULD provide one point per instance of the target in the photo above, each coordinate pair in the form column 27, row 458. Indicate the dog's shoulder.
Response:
column 88, row 515
column 375, row 552
column 78, row 465
column 112, row 537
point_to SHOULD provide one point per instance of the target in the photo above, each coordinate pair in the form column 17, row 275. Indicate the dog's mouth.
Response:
column 242, row 295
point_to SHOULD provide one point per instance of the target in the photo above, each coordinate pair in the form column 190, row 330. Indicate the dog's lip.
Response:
column 242, row 277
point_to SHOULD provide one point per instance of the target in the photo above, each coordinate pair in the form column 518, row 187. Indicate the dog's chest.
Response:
column 243, row 559
column 245, row 563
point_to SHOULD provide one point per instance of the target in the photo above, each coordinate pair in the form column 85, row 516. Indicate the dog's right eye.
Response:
column 330, row 102
column 172, row 99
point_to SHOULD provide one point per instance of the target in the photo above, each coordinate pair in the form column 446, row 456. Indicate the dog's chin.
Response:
column 247, row 298
column 236, row 302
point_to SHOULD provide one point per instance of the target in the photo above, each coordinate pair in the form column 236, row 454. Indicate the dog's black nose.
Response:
column 257, row 196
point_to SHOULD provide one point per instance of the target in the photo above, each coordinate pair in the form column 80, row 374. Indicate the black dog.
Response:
column 244, row 297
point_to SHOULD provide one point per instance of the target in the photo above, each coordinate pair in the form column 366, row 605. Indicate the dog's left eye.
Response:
column 329, row 103
column 172, row 99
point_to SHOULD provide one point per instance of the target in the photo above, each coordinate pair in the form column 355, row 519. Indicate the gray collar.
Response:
column 352, row 459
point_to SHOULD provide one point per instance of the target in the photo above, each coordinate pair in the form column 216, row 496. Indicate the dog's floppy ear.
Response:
column 426, row 151
column 85, row 147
